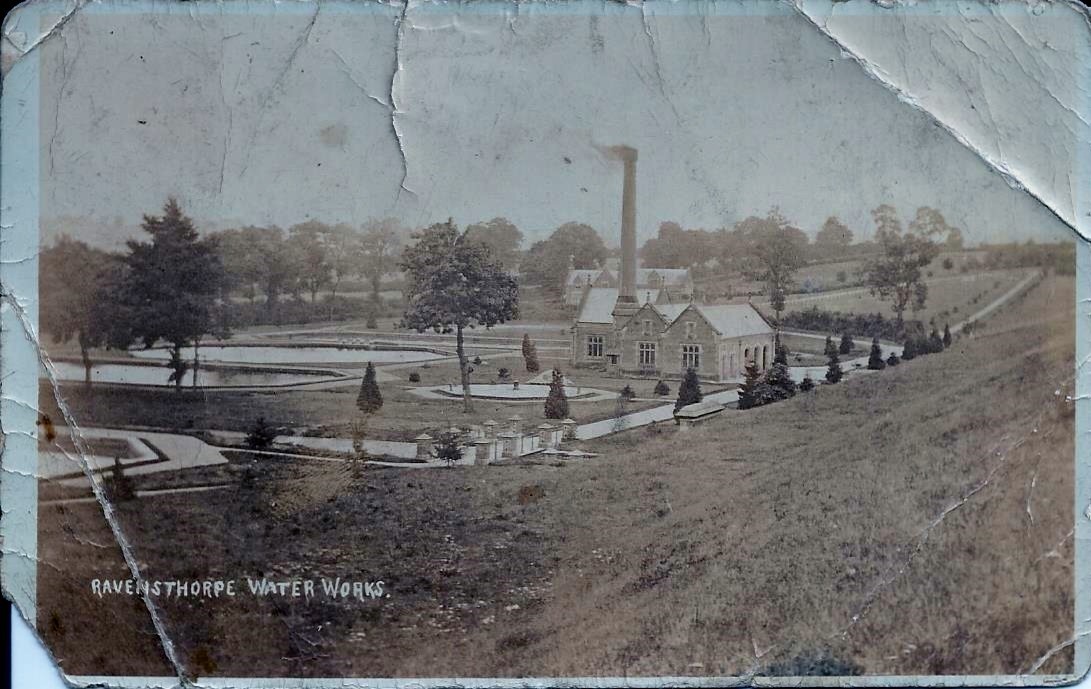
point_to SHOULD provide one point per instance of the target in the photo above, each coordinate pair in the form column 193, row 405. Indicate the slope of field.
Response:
column 916, row 520
column 950, row 297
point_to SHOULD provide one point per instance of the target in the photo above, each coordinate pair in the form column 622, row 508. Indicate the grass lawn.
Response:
column 329, row 412
column 916, row 520
column 951, row 298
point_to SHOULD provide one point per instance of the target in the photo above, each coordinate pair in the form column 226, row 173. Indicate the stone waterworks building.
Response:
column 638, row 332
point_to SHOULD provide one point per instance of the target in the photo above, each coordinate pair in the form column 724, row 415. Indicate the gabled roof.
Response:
column 597, row 304
column 729, row 320
column 735, row 320
column 671, row 311
column 671, row 276
column 582, row 275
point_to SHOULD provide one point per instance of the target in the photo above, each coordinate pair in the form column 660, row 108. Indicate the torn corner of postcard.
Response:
column 717, row 344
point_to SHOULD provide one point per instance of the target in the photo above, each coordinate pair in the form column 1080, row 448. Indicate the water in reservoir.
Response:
column 266, row 354
column 134, row 374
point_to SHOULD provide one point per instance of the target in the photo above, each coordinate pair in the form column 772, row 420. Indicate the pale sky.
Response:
column 250, row 118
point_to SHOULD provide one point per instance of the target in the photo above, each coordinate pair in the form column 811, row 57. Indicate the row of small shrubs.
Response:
column 869, row 324
column 776, row 384
column 932, row 344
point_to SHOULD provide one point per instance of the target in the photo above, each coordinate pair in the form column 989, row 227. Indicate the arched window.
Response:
column 764, row 356
column 746, row 356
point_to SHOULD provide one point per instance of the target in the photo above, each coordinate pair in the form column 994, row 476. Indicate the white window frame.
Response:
column 643, row 349
column 691, row 353
column 596, row 343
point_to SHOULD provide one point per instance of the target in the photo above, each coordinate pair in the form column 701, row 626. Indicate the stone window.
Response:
column 690, row 327
column 646, row 354
column 691, row 356
column 594, row 345
column 647, row 328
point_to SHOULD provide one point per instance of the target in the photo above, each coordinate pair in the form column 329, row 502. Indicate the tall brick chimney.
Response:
column 626, row 301
column 628, row 230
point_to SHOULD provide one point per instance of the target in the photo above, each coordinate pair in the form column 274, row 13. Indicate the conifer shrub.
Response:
column 689, row 390
column 556, row 403
column 662, row 389
column 748, row 391
column 875, row 358
column 807, row 384
column 909, row 351
column 766, row 393
column 370, row 400
column 833, row 370
column 120, row 488
column 780, row 352
column 530, row 355
column 947, row 339
column 261, row 435
column 846, row 343
column 829, row 348
column 780, row 379
column 935, row 342
column 628, row 393
column 449, row 447
column 893, row 360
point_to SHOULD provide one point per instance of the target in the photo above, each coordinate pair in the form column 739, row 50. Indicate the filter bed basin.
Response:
column 288, row 354
column 207, row 376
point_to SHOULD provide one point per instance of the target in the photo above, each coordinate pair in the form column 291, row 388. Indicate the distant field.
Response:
column 824, row 276
column 951, row 298
column 914, row 521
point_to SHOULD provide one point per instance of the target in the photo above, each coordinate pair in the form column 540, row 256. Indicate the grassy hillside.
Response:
column 916, row 520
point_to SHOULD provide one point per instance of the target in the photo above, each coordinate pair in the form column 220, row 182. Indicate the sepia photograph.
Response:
column 531, row 341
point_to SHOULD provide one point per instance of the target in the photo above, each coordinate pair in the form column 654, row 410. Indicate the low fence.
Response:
column 485, row 444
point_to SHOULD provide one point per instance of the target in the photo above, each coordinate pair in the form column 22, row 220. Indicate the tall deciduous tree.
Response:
column 343, row 249
column 255, row 258
column 172, row 285
column 895, row 274
column 502, row 237
column 379, row 246
column 307, row 244
column 929, row 222
column 74, row 291
column 774, row 252
column 454, row 284
column 546, row 263
column 675, row 247
column 834, row 237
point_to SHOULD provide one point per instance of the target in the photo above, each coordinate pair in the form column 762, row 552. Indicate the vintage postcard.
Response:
column 547, row 343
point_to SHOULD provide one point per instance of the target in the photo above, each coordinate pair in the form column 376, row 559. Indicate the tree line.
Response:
column 174, row 287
